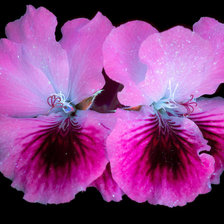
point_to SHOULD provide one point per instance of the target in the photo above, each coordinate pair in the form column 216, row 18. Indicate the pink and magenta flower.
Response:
column 167, row 147
column 51, row 145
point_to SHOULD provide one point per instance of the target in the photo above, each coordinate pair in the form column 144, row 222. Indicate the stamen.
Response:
column 58, row 100
column 189, row 105
column 168, row 104
column 54, row 101
column 172, row 94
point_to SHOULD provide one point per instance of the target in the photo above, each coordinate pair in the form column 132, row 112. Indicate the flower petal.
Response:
column 180, row 57
column 52, row 158
column 107, row 186
column 209, row 117
column 213, row 31
column 83, row 40
column 36, row 32
column 158, row 159
column 23, row 88
column 121, row 60
column 210, row 29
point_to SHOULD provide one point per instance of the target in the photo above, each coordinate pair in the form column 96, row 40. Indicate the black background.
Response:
column 90, row 204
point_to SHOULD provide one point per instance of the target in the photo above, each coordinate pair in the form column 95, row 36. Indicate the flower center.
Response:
column 58, row 100
column 170, row 106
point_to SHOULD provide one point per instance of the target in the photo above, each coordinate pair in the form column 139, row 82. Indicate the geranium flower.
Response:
column 165, row 144
column 51, row 146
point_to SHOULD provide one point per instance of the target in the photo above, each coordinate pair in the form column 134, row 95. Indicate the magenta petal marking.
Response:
column 53, row 147
column 211, row 124
column 159, row 159
column 53, row 158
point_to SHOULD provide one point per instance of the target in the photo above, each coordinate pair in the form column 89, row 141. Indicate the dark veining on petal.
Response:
column 164, row 150
column 57, row 147
column 211, row 129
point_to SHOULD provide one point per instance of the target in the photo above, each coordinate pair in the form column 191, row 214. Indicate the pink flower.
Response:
column 168, row 147
column 50, row 145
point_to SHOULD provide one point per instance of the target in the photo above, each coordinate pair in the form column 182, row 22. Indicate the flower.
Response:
column 51, row 145
column 167, row 146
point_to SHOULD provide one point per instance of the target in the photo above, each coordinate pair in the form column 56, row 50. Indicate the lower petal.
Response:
column 52, row 158
column 107, row 186
column 209, row 117
column 158, row 159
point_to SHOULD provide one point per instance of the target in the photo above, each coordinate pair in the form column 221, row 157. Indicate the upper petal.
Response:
column 158, row 159
column 213, row 31
column 23, row 88
column 184, row 59
column 36, row 23
column 83, row 40
column 209, row 117
column 210, row 29
column 52, row 158
column 36, row 32
column 121, row 60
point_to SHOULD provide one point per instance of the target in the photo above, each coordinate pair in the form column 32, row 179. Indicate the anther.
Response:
column 189, row 105
column 59, row 101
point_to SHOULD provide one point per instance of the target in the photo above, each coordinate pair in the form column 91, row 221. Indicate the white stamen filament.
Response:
column 169, row 102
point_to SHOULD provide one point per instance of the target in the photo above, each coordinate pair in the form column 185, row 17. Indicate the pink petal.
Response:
column 23, row 88
column 209, row 117
column 36, row 32
column 107, row 186
column 210, row 29
column 52, row 158
column 121, row 60
column 83, row 40
column 158, row 159
column 213, row 31
column 180, row 57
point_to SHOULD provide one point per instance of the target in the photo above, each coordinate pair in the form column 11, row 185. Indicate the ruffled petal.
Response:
column 210, row 29
column 121, row 60
column 83, row 40
column 159, row 159
column 23, row 88
column 107, row 186
column 52, row 158
column 213, row 31
column 183, row 59
column 36, row 32
column 209, row 117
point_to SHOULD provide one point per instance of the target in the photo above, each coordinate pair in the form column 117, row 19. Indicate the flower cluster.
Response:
column 165, row 145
